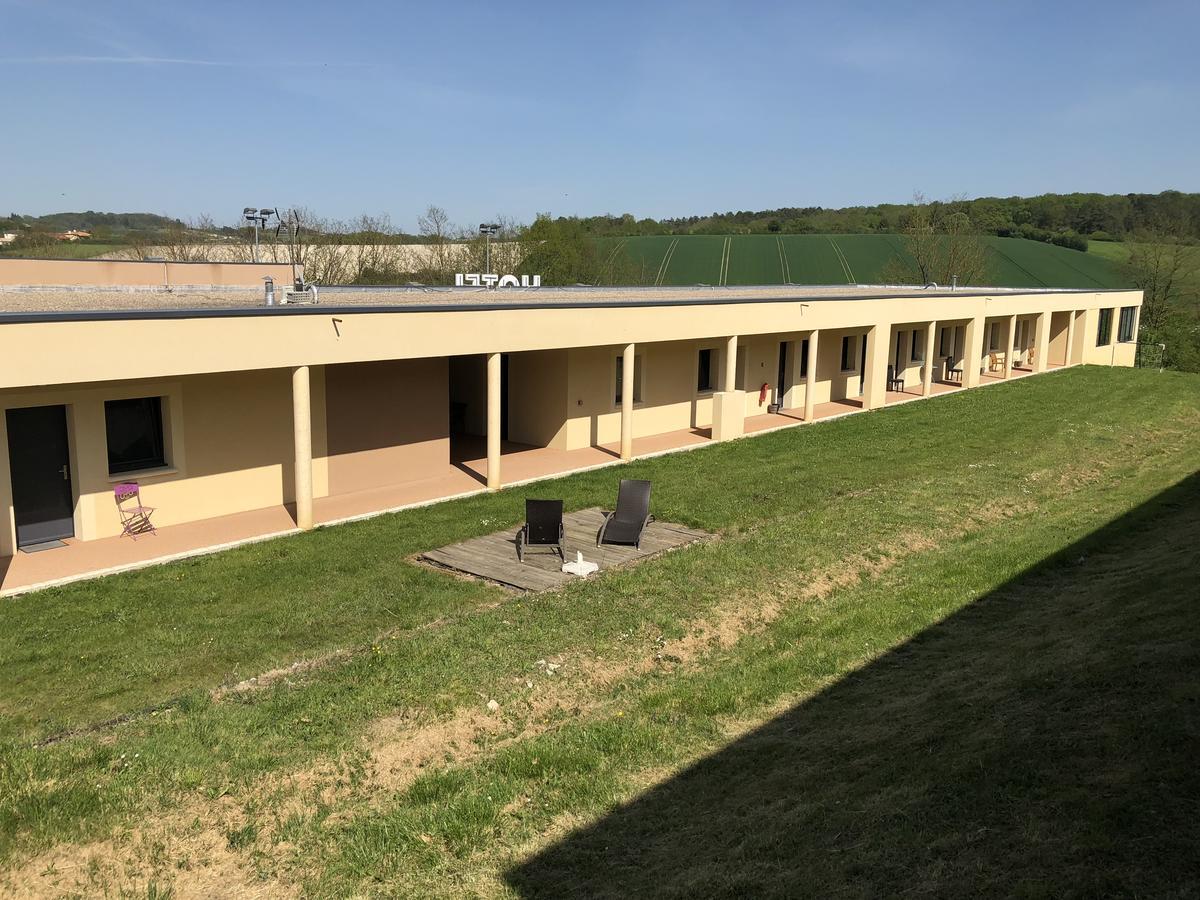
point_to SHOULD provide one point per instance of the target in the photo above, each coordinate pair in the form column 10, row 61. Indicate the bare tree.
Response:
column 942, row 245
column 1165, row 268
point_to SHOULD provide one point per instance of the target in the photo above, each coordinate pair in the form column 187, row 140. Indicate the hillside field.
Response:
column 835, row 259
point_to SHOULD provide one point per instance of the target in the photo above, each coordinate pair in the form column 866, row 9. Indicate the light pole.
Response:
column 259, row 217
column 487, row 231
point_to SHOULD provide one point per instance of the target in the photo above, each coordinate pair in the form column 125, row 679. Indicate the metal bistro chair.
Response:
column 135, row 517
column 625, row 524
column 953, row 372
column 543, row 527
column 894, row 383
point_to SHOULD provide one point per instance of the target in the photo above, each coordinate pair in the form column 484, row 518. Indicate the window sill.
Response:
column 142, row 473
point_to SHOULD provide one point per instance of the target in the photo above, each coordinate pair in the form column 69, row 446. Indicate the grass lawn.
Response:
column 949, row 647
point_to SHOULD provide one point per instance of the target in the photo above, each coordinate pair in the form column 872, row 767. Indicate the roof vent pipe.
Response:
column 269, row 289
column 954, row 282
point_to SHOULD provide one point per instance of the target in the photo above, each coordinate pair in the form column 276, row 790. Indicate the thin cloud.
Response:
column 74, row 60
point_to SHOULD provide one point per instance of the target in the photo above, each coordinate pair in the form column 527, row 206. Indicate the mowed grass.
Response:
column 818, row 259
column 930, row 651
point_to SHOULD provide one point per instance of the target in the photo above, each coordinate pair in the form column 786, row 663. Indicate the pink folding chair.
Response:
column 135, row 518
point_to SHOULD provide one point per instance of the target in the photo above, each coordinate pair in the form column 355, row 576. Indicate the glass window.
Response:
column 637, row 379
column 135, row 434
column 704, row 372
column 804, row 358
column 947, row 342
column 848, row 344
column 1125, row 325
column 995, row 342
column 1104, row 328
column 918, row 345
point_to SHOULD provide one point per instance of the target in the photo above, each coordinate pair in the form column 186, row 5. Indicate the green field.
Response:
column 932, row 652
column 835, row 259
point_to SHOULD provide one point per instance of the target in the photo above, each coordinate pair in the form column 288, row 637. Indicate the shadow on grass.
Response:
column 1043, row 740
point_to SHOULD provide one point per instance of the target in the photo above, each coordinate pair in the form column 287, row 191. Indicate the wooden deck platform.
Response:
column 494, row 556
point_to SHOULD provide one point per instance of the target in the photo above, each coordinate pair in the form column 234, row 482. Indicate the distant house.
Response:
column 72, row 235
column 8, row 237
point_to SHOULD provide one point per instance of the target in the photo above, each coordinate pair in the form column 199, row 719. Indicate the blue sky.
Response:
column 658, row 109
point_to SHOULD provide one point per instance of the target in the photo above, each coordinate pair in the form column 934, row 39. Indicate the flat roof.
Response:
column 62, row 303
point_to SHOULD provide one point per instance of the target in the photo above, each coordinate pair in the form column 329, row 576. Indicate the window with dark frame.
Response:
column 804, row 358
column 637, row 379
column 704, row 372
column 134, row 429
column 848, row 344
column 1126, row 323
column 994, row 341
column 917, row 352
column 946, row 340
column 1104, row 328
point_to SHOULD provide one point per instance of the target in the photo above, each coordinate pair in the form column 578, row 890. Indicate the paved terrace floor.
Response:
column 465, row 475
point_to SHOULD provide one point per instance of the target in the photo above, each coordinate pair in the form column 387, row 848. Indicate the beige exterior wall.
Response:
column 228, row 447
column 382, row 384
column 537, row 407
column 386, row 423
column 138, row 274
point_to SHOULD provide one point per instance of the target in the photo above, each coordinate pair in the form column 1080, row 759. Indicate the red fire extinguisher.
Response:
column 762, row 393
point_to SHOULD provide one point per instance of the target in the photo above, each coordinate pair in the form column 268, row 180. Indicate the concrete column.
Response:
column 493, row 421
column 302, row 441
column 1041, row 342
column 1009, row 355
column 730, row 382
column 1070, row 359
column 875, row 375
column 973, row 350
column 810, row 379
column 729, row 404
column 627, row 375
column 930, row 345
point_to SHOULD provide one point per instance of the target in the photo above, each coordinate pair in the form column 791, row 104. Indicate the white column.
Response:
column 1070, row 339
column 810, row 378
column 875, row 374
column 1041, row 342
column 1009, row 356
column 973, row 350
column 302, row 441
column 627, row 387
column 730, row 383
column 930, row 346
column 493, row 421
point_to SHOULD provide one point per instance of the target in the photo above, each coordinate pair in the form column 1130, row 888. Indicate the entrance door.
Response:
column 782, row 385
column 39, row 457
column 862, row 364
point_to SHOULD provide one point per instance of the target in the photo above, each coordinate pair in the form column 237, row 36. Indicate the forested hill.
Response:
column 115, row 223
column 1087, row 216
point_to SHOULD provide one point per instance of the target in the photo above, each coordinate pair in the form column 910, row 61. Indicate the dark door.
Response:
column 862, row 364
column 782, row 383
column 40, row 460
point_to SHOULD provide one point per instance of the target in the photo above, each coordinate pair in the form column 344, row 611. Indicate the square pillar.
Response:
column 973, row 351
column 730, row 380
column 1041, row 342
column 493, row 421
column 875, row 373
column 927, row 380
column 1009, row 341
column 729, row 415
column 810, row 378
column 1070, row 357
column 302, row 442
column 627, row 388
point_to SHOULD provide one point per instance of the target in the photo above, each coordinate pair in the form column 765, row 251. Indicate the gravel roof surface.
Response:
column 87, row 299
